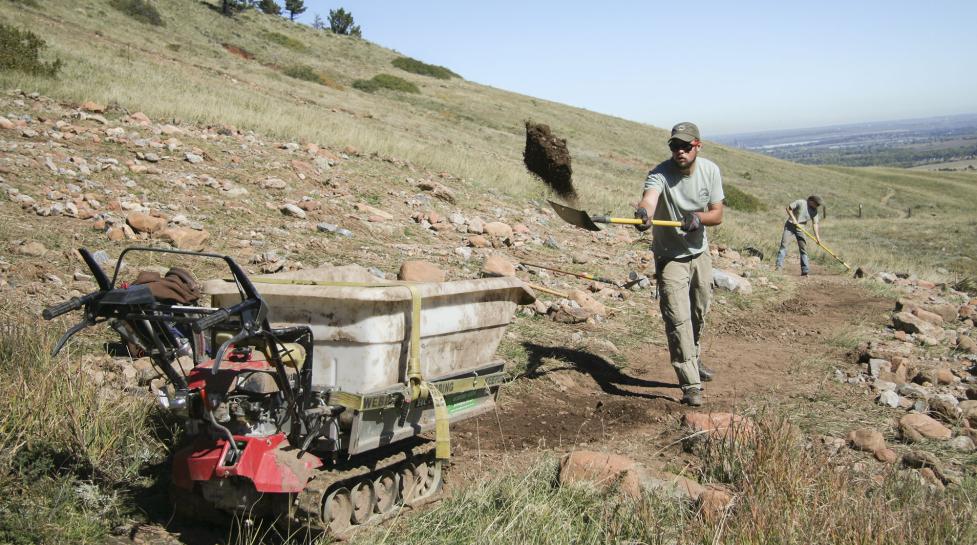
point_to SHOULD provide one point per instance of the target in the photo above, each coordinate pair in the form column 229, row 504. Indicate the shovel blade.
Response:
column 574, row 217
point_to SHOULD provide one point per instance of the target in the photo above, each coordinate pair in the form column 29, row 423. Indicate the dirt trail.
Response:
column 588, row 402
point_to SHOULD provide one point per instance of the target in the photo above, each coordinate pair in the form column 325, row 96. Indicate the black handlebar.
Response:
column 65, row 307
column 221, row 315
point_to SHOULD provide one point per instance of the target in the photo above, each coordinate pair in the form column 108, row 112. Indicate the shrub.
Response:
column 385, row 81
column 140, row 10
column 415, row 66
column 285, row 41
column 21, row 50
column 301, row 71
column 741, row 200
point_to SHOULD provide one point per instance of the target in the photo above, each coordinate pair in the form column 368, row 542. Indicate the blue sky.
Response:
column 730, row 66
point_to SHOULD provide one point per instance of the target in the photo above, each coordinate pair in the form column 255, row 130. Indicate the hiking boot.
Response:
column 705, row 374
column 692, row 397
column 804, row 273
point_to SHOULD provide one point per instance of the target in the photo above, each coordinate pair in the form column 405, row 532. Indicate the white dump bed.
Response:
column 362, row 334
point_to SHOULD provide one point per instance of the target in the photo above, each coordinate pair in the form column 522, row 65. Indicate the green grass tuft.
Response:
column 285, row 41
column 140, row 10
column 415, row 66
column 385, row 81
column 741, row 200
column 303, row 72
column 21, row 50
column 70, row 455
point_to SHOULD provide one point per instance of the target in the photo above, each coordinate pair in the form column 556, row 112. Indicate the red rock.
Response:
column 867, row 440
column 722, row 426
column 479, row 241
column 496, row 265
column 916, row 424
column 928, row 316
column 93, row 107
column 967, row 344
column 886, row 455
column 185, row 239
column 420, row 271
column 139, row 118
column 144, row 223
column 587, row 302
column 498, row 229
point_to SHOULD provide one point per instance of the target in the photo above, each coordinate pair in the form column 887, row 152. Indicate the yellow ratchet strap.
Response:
column 418, row 389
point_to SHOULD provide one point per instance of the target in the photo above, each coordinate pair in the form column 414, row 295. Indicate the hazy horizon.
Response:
column 731, row 68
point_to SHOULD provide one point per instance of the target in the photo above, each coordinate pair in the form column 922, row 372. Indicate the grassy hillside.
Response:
column 84, row 449
column 205, row 68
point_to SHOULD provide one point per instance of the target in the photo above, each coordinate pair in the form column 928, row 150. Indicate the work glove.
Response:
column 642, row 214
column 691, row 222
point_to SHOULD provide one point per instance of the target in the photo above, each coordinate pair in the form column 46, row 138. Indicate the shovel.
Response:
column 588, row 222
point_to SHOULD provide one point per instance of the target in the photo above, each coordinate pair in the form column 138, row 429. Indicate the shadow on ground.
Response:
column 607, row 375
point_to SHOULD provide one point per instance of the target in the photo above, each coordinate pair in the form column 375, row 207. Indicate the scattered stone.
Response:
column 185, row 239
column 877, row 365
column 498, row 229
column 374, row 211
column 731, row 282
column 588, row 303
column 139, row 118
column 867, row 440
column 886, row 455
column 889, row 398
column 699, row 427
column 966, row 344
column 290, row 209
column 193, row 158
column 478, row 241
column 568, row 315
column 144, row 223
column 438, row 189
column 272, row 183
column 331, row 228
column 496, row 265
column 476, row 226
column 32, row 249
column 912, row 391
column 916, row 427
column 420, row 271
column 962, row 443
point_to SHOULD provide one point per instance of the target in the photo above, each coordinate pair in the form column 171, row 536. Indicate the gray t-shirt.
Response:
column 803, row 212
column 680, row 195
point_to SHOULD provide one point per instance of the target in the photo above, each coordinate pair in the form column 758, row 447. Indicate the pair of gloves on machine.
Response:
column 690, row 222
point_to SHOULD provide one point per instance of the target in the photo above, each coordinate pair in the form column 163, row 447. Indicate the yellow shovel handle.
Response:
column 816, row 241
column 636, row 221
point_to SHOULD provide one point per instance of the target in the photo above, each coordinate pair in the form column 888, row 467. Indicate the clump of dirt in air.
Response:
column 547, row 157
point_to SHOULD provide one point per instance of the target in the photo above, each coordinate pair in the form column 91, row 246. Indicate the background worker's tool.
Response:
column 544, row 289
column 588, row 222
column 816, row 241
column 586, row 276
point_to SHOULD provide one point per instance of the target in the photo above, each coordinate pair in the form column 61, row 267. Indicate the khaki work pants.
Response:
column 685, row 292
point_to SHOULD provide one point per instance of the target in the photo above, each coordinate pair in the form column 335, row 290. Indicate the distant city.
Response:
column 946, row 143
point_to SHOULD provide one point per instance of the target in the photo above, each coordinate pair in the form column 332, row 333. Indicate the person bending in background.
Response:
column 689, row 189
column 800, row 212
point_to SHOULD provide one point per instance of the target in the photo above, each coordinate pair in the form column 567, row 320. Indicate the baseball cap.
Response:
column 685, row 131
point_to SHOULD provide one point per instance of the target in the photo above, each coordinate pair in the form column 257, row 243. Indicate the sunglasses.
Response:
column 678, row 145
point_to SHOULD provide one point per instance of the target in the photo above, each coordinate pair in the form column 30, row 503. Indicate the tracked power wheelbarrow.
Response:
column 306, row 402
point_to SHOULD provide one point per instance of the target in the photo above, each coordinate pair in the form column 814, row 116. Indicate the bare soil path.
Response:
column 574, row 399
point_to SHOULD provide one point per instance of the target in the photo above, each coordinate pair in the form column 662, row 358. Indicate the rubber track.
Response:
column 306, row 508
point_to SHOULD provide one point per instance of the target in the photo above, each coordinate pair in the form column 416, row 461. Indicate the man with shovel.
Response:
column 689, row 189
column 800, row 212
